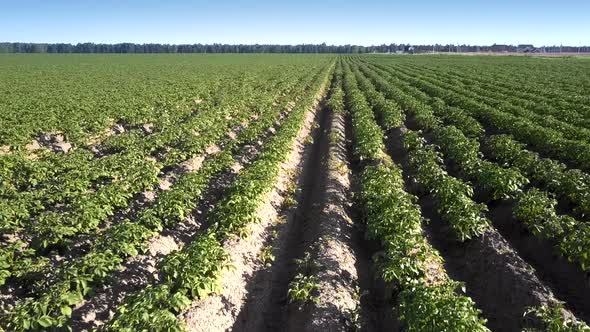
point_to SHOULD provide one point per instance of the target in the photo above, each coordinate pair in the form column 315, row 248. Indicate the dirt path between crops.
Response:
column 340, row 263
column 566, row 279
column 351, row 297
column 221, row 312
column 255, row 297
column 297, row 240
column 325, row 227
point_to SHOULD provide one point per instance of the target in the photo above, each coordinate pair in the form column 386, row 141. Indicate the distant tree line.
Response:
column 188, row 48
column 272, row 48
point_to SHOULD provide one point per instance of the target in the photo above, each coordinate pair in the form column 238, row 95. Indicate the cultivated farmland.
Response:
column 294, row 192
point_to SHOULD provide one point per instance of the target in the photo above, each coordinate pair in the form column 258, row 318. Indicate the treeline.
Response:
column 273, row 48
column 190, row 48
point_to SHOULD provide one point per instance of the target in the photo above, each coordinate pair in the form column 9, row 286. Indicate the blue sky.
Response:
column 369, row 22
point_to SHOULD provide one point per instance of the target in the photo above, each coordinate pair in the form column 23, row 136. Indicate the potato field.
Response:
column 294, row 192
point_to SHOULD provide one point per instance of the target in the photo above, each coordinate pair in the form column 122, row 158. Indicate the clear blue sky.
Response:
column 334, row 22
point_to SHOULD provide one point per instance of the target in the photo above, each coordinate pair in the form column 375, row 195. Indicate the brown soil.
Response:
column 53, row 141
column 148, row 128
column 349, row 296
column 298, row 236
column 4, row 149
column 566, row 279
column 338, row 305
column 33, row 146
column 501, row 283
column 222, row 312
column 193, row 164
column 117, row 129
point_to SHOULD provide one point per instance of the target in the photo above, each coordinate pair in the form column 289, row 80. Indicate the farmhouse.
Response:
column 500, row 48
column 525, row 48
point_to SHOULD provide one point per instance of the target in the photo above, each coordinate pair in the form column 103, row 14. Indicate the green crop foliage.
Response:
column 184, row 119
column 99, row 154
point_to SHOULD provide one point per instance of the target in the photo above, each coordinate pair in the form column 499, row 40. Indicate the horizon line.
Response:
column 291, row 44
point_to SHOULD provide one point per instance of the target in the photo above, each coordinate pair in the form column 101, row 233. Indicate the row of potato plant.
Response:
column 453, row 197
column 543, row 86
column 518, row 94
column 194, row 271
column 545, row 140
column 571, row 184
column 62, row 226
column 534, row 208
column 77, row 278
column 509, row 104
column 426, row 302
column 88, row 188
column 570, row 235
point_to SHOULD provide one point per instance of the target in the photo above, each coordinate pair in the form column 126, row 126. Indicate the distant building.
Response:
column 500, row 48
column 525, row 48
